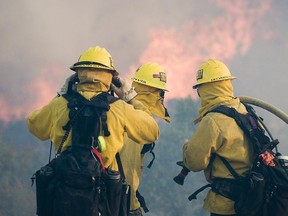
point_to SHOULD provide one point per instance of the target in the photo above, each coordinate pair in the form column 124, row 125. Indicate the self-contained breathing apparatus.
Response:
column 76, row 182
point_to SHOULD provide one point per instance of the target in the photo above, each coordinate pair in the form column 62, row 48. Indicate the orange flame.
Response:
column 181, row 50
column 39, row 91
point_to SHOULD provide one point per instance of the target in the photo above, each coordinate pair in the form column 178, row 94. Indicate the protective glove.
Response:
column 64, row 88
column 125, row 92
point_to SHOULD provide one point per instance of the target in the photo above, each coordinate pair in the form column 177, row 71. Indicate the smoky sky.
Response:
column 40, row 40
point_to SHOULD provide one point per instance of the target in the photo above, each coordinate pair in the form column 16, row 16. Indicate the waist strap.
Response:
column 229, row 188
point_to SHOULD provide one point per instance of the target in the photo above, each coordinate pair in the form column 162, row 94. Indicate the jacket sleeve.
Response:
column 197, row 151
column 39, row 122
column 140, row 126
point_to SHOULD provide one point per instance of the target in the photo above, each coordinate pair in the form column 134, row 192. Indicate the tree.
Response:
column 20, row 156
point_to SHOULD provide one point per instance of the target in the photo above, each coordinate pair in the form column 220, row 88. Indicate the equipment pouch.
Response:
column 113, row 191
column 45, row 184
column 125, row 200
column 251, row 201
column 277, row 204
column 77, row 191
column 76, row 199
column 117, row 192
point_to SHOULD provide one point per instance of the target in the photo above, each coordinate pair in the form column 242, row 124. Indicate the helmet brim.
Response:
column 77, row 65
column 200, row 83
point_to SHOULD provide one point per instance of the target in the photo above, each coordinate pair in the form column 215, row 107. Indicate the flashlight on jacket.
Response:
column 179, row 179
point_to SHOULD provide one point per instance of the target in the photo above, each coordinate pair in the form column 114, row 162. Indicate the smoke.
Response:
column 31, row 95
column 220, row 29
column 181, row 50
column 44, row 83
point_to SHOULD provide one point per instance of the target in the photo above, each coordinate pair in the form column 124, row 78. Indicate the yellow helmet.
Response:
column 95, row 57
column 151, row 74
column 211, row 71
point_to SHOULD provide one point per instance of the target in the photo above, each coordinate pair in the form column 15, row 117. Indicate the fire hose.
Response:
column 179, row 179
column 264, row 105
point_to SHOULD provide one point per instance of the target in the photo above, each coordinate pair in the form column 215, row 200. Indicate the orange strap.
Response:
column 98, row 155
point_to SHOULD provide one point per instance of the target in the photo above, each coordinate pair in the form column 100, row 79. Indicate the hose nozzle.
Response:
column 179, row 179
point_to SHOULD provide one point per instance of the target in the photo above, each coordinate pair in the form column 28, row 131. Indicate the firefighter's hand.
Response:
column 126, row 92
column 64, row 88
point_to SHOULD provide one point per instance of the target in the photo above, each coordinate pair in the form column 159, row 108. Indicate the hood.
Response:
column 150, row 97
column 93, row 80
column 214, row 94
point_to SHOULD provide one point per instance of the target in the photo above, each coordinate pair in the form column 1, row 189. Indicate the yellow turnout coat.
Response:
column 218, row 133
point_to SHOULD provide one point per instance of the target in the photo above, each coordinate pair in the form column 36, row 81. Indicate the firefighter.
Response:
column 217, row 133
column 95, row 70
column 149, row 82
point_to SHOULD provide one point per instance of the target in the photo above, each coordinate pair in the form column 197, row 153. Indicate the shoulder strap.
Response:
column 67, row 129
column 232, row 112
column 108, row 99
column 249, row 123
column 229, row 167
column 76, row 100
column 241, row 122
